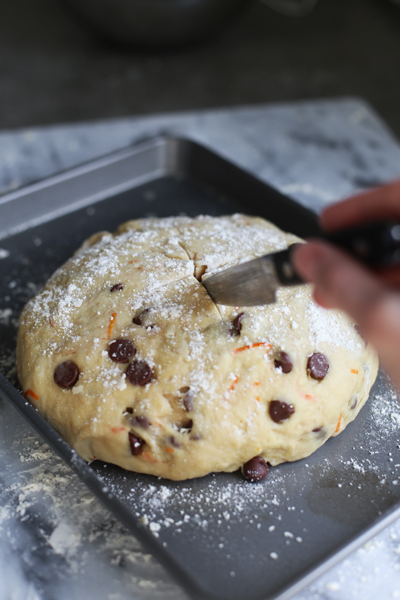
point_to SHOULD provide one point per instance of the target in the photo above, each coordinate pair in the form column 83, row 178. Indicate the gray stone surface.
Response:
column 56, row 541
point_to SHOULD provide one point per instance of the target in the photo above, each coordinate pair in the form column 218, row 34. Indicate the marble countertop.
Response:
column 56, row 540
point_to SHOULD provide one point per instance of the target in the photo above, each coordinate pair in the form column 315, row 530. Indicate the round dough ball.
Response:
column 127, row 356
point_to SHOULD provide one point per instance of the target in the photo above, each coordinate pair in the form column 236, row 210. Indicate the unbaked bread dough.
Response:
column 127, row 356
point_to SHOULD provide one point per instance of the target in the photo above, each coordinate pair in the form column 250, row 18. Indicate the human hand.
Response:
column 372, row 299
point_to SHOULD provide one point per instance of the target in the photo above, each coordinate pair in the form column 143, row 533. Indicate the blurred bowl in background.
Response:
column 155, row 22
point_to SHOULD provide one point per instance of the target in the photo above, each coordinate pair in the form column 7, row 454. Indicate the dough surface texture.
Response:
column 127, row 356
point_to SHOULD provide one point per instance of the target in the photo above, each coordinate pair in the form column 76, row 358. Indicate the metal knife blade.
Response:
column 255, row 282
column 252, row 283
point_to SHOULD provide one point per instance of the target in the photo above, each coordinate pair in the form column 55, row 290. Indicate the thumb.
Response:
column 341, row 282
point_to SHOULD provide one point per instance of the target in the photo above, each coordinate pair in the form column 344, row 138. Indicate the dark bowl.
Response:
column 155, row 22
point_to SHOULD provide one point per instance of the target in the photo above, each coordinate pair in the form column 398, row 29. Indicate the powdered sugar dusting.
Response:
column 326, row 326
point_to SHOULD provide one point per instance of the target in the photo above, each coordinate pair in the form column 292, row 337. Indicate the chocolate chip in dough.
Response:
column 139, row 372
column 66, row 374
column 186, row 426
column 117, row 287
column 138, row 319
column 188, row 402
column 354, row 402
column 256, row 469
column 136, row 444
column 283, row 362
column 318, row 366
column 237, row 324
column 320, row 431
column 174, row 442
column 140, row 421
column 121, row 350
column 280, row 411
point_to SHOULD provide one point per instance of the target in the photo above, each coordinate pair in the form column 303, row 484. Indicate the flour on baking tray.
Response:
column 198, row 504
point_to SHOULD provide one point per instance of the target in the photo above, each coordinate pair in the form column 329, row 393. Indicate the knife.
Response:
column 255, row 282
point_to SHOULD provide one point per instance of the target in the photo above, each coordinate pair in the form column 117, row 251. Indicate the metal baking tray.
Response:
column 220, row 536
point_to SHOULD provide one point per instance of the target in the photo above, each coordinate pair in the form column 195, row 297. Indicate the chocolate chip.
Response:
column 174, row 442
column 139, row 372
column 354, row 403
column 187, row 425
column 256, row 469
column 136, row 444
column 320, row 431
column 138, row 319
column 117, row 287
column 121, row 350
column 280, row 411
column 318, row 366
column 66, row 374
column 195, row 436
column 283, row 362
column 237, row 324
column 184, row 389
column 129, row 410
column 188, row 402
column 140, row 421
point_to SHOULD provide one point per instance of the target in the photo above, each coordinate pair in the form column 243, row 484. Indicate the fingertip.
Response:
column 322, row 299
column 340, row 282
column 326, row 216
column 308, row 258
column 333, row 216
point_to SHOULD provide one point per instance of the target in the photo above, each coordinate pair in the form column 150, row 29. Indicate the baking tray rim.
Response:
column 165, row 150
column 83, row 469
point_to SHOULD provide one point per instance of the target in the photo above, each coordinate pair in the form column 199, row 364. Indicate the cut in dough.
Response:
column 127, row 356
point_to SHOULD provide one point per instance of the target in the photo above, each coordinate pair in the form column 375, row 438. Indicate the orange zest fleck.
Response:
column 258, row 398
column 111, row 325
column 250, row 346
column 117, row 429
column 32, row 394
column 309, row 397
column 256, row 383
column 338, row 423
column 149, row 457
column 354, row 371
column 170, row 450
column 50, row 323
column 233, row 384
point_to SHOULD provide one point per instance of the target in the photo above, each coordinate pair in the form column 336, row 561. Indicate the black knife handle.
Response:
column 284, row 269
column 374, row 244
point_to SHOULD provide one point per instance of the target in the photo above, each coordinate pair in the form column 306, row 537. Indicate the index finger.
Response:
column 377, row 204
